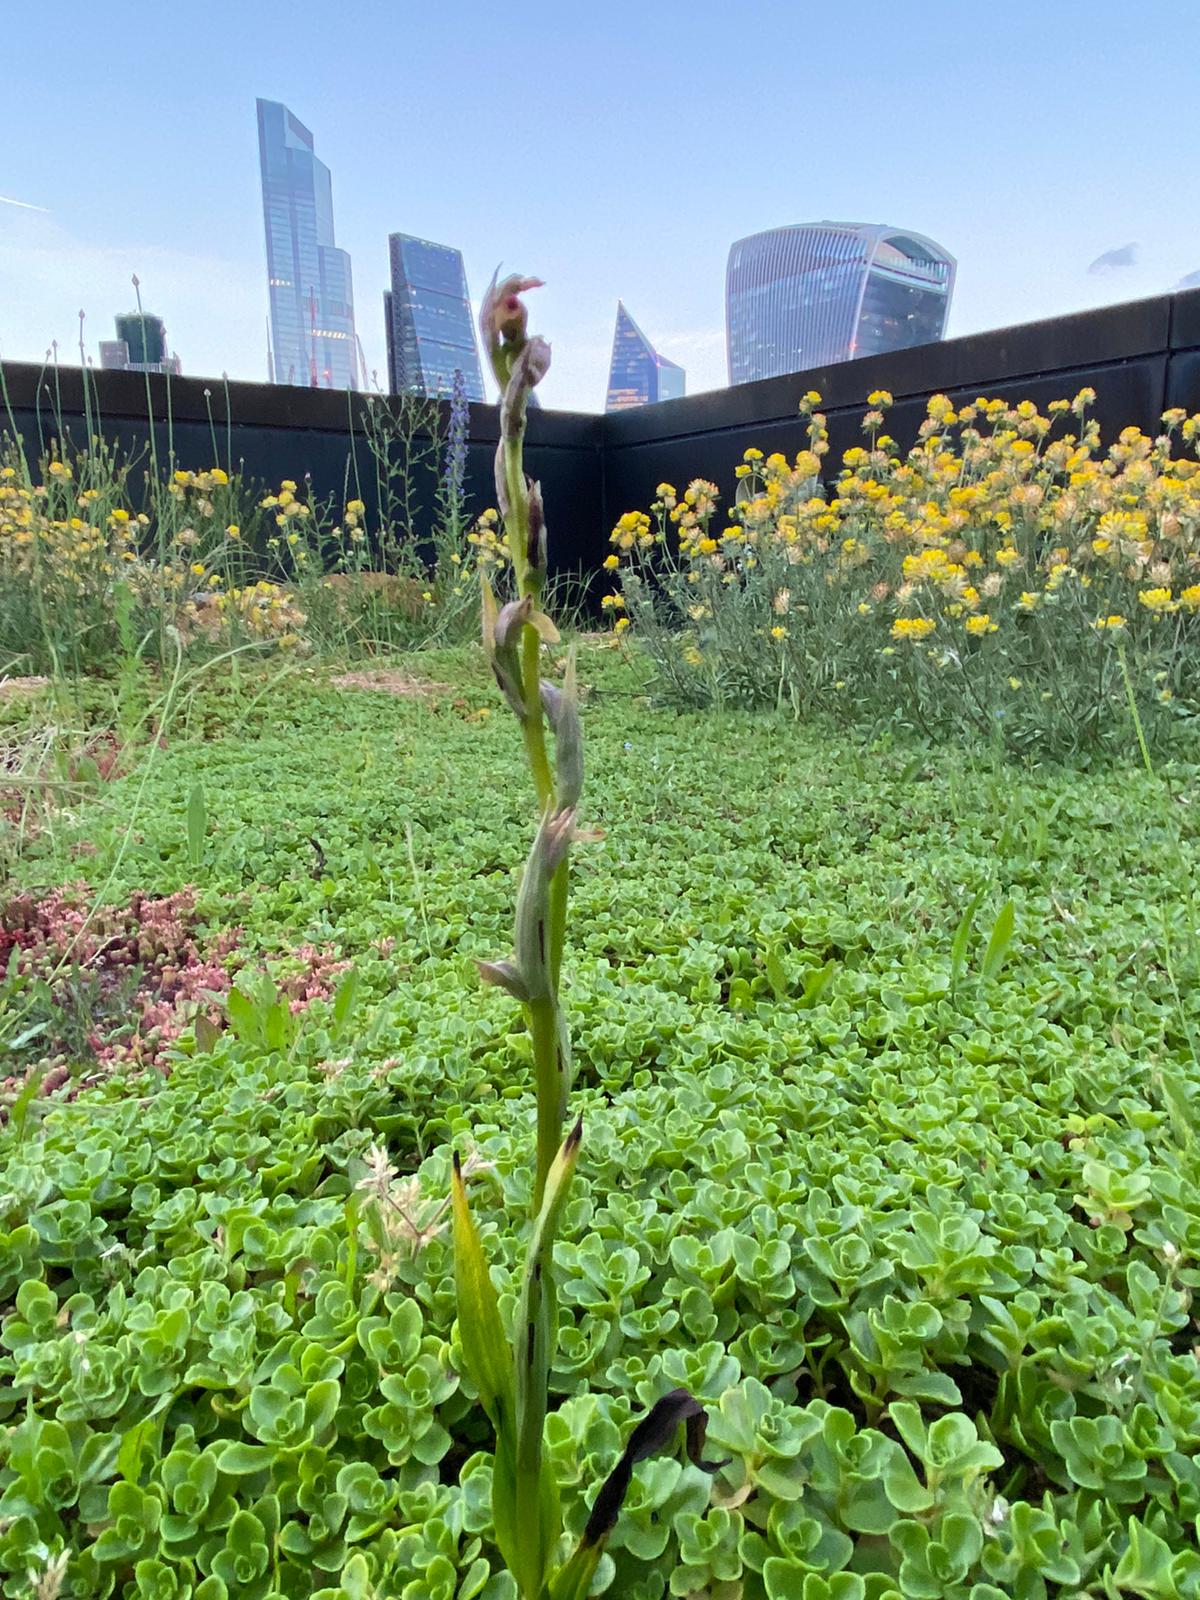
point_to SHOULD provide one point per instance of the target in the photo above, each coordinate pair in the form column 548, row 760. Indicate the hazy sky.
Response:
column 616, row 150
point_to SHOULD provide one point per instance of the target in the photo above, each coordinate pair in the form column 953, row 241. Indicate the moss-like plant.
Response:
column 511, row 1375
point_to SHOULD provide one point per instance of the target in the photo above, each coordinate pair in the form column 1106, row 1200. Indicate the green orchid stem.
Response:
column 528, row 583
column 559, row 888
column 517, row 520
column 547, row 1073
column 534, row 726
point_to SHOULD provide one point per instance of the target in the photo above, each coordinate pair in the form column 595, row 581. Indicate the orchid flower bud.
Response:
column 504, row 975
column 562, row 711
column 550, row 849
column 503, row 320
column 504, row 505
column 505, row 653
column 536, row 552
column 528, row 369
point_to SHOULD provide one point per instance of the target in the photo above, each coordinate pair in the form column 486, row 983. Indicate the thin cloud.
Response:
column 1191, row 281
column 1124, row 255
column 696, row 341
column 22, row 205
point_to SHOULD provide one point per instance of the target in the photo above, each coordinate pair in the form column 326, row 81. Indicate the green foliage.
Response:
column 925, row 1242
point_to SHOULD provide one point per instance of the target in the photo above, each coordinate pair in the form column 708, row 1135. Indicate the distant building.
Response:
column 430, row 328
column 638, row 375
column 807, row 296
column 140, row 346
column 308, row 277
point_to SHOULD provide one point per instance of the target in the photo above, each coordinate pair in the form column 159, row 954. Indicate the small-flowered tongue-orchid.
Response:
column 512, row 1377
column 504, row 317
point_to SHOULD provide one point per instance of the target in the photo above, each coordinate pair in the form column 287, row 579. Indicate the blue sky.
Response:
column 615, row 150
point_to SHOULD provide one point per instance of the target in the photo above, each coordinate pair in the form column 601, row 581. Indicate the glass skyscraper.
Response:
column 430, row 328
column 807, row 296
column 638, row 375
column 308, row 277
column 140, row 346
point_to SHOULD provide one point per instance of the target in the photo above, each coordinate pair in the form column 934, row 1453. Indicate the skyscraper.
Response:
column 140, row 345
column 806, row 296
column 430, row 329
column 308, row 277
column 638, row 375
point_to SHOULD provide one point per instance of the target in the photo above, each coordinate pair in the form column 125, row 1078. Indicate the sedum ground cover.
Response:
column 886, row 1063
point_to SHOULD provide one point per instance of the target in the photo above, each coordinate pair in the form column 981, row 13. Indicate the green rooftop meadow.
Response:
column 885, row 1058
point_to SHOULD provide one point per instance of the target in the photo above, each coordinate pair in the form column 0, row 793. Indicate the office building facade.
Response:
column 308, row 278
column 637, row 374
column 429, row 323
column 140, row 346
column 803, row 297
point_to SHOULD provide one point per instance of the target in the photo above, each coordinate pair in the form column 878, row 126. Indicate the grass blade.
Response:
column 197, row 824
column 962, row 940
column 480, row 1330
column 996, row 953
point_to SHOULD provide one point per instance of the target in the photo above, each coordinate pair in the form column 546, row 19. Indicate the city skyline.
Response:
column 638, row 375
column 310, row 287
column 638, row 201
column 812, row 294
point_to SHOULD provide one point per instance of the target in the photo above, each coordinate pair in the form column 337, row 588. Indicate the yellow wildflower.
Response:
column 912, row 628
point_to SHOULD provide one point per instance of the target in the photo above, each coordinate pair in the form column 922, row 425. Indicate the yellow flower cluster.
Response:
column 487, row 538
column 74, row 550
column 633, row 531
column 260, row 610
column 1001, row 517
column 913, row 628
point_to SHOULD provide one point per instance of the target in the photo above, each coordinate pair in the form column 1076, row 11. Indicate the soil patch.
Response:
column 21, row 688
column 384, row 680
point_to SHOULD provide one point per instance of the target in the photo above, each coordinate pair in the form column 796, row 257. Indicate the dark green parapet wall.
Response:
column 1140, row 358
column 274, row 432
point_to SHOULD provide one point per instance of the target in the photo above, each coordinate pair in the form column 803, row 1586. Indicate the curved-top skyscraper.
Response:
column 819, row 292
